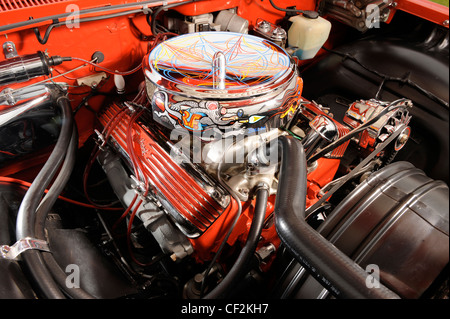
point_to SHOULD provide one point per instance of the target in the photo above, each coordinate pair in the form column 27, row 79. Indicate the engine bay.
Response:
column 195, row 149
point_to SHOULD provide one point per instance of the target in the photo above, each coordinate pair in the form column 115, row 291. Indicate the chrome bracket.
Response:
column 14, row 251
column 9, row 50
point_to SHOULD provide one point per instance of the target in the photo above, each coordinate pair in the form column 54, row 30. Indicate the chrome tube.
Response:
column 23, row 68
column 14, row 103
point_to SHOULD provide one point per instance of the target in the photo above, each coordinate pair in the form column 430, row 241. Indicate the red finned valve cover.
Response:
column 193, row 204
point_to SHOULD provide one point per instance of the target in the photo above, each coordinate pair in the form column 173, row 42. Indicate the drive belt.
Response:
column 362, row 164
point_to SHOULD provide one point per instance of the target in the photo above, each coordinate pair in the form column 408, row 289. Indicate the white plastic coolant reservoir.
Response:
column 308, row 35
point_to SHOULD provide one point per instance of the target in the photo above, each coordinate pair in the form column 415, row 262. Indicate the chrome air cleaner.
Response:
column 221, row 81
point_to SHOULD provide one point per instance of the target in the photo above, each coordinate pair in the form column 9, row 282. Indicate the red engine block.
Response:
column 193, row 209
column 199, row 215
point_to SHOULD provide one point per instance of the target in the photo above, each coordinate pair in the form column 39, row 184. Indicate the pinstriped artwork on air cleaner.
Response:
column 250, row 61
column 217, row 81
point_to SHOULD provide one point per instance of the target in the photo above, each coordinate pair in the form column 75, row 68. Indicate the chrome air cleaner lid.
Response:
column 220, row 79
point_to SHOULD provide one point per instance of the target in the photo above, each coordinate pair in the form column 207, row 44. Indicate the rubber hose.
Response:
column 13, row 281
column 41, row 215
column 240, row 267
column 26, row 216
column 57, row 186
column 332, row 268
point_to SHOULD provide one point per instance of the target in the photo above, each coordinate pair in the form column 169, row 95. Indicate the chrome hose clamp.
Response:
column 14, row 251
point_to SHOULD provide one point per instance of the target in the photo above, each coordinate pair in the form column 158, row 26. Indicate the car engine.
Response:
column 250, row 149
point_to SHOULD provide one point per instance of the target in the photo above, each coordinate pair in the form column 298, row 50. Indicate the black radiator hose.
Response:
column 241, row 266
column 339, row 274
column 26, row 217
column 41, row 215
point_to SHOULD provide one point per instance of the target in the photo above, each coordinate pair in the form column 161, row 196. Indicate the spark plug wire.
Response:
column 25, row 185
column 108, row 129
